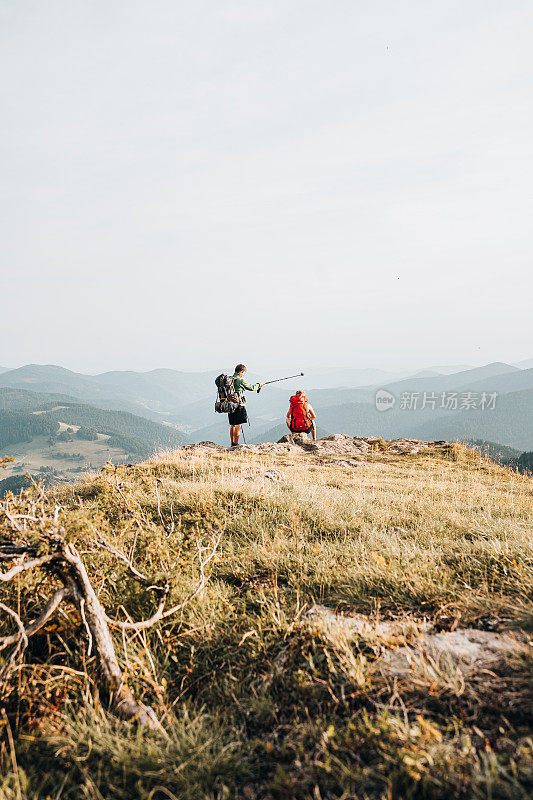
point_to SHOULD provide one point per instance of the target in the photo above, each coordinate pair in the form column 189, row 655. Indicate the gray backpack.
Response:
column 228, row 400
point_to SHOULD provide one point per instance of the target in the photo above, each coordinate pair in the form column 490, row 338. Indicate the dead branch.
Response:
column 21, row 640
column 34, row 627
column 105, row 545
column 12, row 550
column 160, row 612
column 63, row 562
column 145, row 623
column 96, row 620
column 26, row 565
column 14, row 523
column 170, row 529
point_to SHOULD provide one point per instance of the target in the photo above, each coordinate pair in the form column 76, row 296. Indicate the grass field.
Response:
column 255, row 702
column 29, row 456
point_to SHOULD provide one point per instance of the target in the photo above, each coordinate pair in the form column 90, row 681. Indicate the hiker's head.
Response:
column 239, row 369
column 301, row 393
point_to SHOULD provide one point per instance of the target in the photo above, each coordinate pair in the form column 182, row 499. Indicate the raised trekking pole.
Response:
column 277, row 380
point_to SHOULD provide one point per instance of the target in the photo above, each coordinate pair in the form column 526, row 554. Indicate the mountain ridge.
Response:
column 185, row 400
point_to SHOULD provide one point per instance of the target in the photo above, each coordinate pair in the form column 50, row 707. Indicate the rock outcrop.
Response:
column 341, row 444
column 356, row 448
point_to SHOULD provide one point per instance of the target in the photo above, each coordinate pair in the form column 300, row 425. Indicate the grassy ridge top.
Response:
column 256, row 703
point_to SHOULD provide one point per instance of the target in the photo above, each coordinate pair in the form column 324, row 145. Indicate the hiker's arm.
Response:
column 253, row 387
column 288, row 419
column 312, row 414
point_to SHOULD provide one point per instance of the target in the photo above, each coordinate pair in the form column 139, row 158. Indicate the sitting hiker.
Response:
column 301, row 417
column 239, row 416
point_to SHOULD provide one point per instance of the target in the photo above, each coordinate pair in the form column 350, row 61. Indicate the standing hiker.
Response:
column 239, row 416
column 300, row 416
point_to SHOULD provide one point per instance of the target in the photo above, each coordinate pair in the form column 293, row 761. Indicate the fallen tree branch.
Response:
column 48, row 612
column 63, row 562
column 11, row 550
column 14, row 523
column 170, row 529
column 96, row 620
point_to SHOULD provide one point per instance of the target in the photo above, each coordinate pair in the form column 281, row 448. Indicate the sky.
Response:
column 287, row 184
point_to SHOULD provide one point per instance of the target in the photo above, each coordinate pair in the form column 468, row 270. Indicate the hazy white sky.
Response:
column 190, row 184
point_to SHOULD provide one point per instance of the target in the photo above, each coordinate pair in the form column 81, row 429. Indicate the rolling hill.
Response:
column 504, row 384
column 21, row 426
column 499, row 453
column 25, row 400
column 160, row 392
column 493, row 377
column 526, row 364
column 49, row 378
column 457, row 381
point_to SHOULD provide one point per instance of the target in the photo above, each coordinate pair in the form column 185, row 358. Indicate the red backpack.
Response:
column 299, row 413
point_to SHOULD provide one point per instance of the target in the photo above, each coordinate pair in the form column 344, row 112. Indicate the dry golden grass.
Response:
column 255, row 703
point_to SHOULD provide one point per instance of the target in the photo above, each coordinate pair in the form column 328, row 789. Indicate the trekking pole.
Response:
column 277, row 380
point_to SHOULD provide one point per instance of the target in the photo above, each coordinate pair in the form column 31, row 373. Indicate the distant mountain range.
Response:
column 510, row 423
column 527, row 364
column 150, row 393
column 343, row 399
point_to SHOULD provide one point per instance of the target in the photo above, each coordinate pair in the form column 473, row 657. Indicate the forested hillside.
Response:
column 119, row 423
column 497, row 452
column 59, row 438
column 19, row 426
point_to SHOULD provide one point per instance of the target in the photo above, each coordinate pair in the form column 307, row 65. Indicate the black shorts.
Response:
column 239, row 416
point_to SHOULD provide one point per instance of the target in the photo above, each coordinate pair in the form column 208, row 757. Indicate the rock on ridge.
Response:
column 342, row 444
column 338, row 444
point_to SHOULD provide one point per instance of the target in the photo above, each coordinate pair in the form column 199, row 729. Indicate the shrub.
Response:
column 87, row 433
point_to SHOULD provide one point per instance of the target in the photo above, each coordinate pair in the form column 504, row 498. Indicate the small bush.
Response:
column 87, row 433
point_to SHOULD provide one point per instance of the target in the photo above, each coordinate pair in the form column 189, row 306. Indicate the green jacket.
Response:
column 241, row 385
